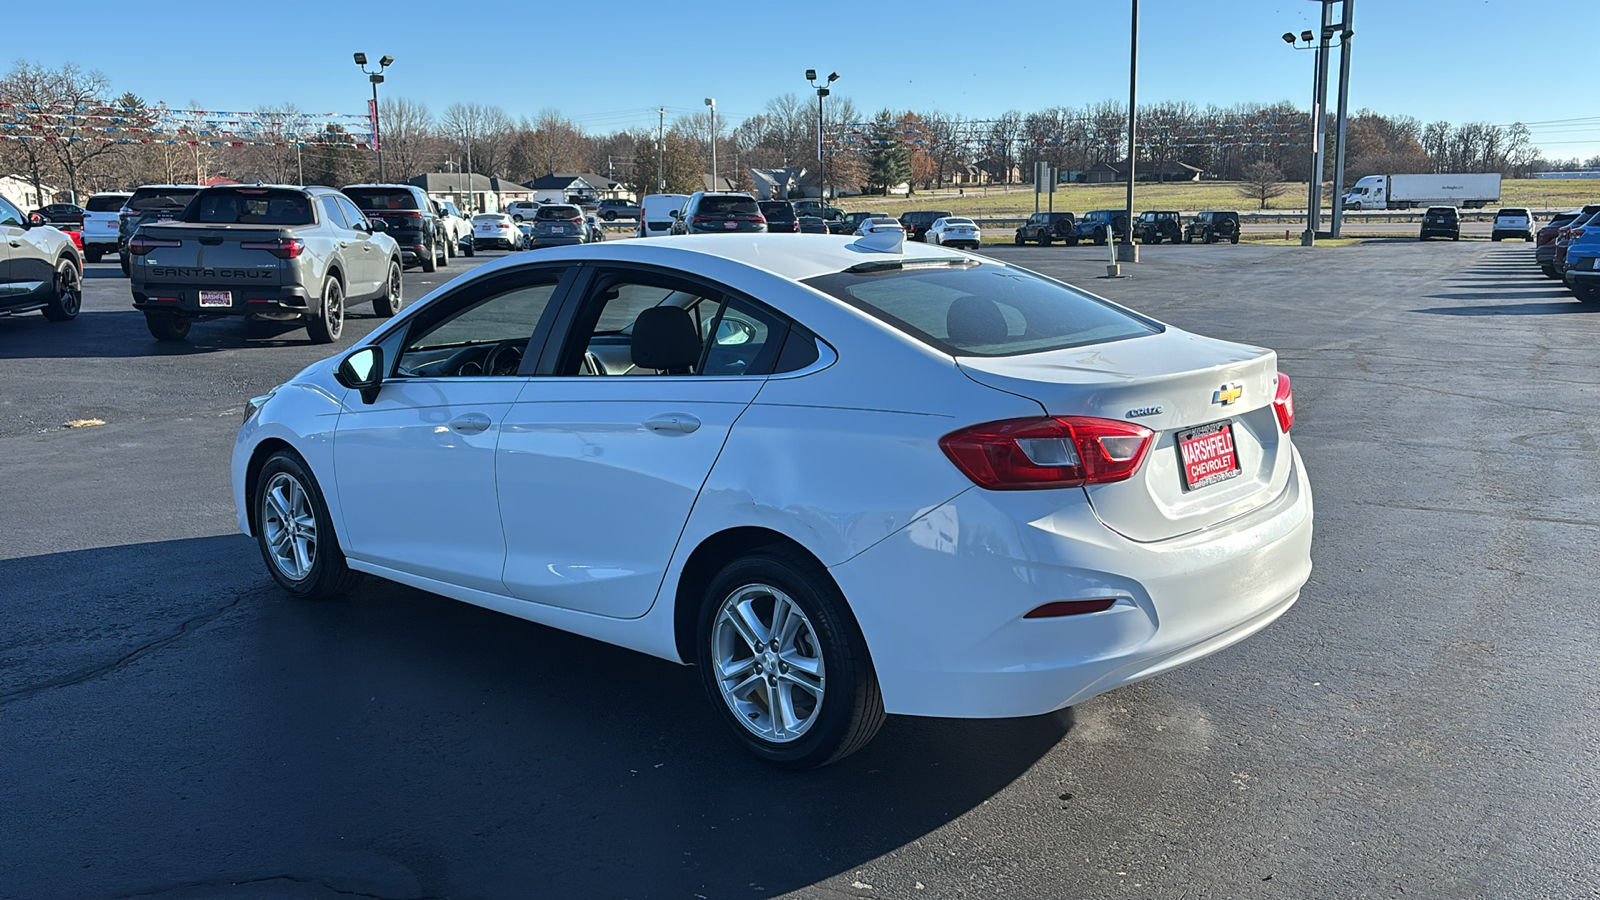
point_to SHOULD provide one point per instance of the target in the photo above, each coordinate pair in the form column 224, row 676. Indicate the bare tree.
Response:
column 409, row 145
column 1262, row 182
column 487, row 128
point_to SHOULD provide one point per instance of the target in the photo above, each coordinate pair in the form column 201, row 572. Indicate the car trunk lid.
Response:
column 1186, row 388
column 216, row 255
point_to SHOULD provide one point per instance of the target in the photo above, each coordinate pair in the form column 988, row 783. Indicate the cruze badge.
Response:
column 1229, row 393
column 1144, row 411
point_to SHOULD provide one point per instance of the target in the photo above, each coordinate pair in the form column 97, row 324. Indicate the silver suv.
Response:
column 271, row 251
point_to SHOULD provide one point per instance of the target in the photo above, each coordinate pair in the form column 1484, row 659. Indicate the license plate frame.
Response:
column 1206, row 466
column 216, row 299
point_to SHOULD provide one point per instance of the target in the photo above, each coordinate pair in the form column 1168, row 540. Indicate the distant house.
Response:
column 719, row 183
column 1168, row 170
column 577, row 187
column 777, row 184
column 487, row 193
column 20, row 191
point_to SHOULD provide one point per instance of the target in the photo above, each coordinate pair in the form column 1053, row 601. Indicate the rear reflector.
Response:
column 1283, row 403
column 1048, row 452
column 1069, row 608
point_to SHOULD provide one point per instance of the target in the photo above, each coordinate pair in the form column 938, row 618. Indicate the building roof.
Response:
column 455, row 183
column 560, row 181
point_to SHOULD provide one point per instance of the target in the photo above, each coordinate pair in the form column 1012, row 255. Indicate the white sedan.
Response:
column 843, row 476
column 955, row 231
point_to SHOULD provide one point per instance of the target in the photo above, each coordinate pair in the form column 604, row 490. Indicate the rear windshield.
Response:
column 958, row 221
column 496, row 218
column 381, row 198
column 250, row 206
column 777, row 210
column 985, row 310
column 728, row 206
column 176, row 198
column 558, row 211
column 105, row 204
column 1512, row 212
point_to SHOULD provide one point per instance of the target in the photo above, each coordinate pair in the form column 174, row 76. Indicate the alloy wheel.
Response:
column 768, row 662
column 290, row 525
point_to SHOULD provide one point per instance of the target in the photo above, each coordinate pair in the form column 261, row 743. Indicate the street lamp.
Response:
column 1319, row 99
column 376, row 78
column 712, row 102
column 822, row 163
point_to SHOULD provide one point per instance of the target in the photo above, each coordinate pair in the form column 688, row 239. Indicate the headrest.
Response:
column 975, row 320
column 664, row 337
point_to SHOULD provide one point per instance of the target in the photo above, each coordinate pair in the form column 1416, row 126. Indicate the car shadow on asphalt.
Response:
column 1569, row 306
column 113, row 334
column 478, row 753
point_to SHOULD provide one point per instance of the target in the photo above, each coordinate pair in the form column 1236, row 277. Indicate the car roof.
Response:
column 795, row 257
column 409, row 187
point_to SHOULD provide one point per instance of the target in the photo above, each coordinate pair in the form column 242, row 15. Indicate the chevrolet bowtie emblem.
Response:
column 1229, row 393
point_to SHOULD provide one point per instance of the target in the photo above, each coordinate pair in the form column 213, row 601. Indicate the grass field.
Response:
column 1553, row 193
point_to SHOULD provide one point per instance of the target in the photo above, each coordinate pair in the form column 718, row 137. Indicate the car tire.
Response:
column 295, row 532
column 841, row 706
column 92, row 255
column 1206, row 237
column 393, row 297
column 609, row 216
column 1072, row 240
column 68, row 295
column 1495, row 237
column 1234, row 239
column 471, row 249
column 1456, row 236
column 1188, row 238
column 1099, row 236
column 1046, row 240
column 444, row 253
column 127, row 270
column 430, row 261
column 1020, row 240
column 327, row 323
column 167, row 326
column 1528, row 236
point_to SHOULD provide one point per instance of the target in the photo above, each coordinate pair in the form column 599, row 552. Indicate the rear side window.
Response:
column 104, row 204
column 381, row 198
column 728, row 206
column 250, row 206
column 985, row 310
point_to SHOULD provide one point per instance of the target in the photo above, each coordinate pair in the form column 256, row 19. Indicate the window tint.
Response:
column 250, row 206
column 485, row 338
column 381, row 198
column 352, row 216
column 9, row 215
column 985, row 310
column 332, row 214
column 558, row 211
column 159, row 198
column 727, row 206
column 105, row 204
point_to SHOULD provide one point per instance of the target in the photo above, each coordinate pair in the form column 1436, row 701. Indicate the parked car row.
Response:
column 1568, row 248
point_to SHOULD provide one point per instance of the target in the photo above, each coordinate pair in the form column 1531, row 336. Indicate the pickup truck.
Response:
column 275, row 252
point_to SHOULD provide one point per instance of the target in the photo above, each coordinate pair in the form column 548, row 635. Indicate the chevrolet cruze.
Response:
column 844, row 477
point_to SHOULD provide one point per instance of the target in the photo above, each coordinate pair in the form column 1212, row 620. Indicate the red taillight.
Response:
column 1047, row 452
column 700, row 220
column 139, row 245
column 283, row 248
column 1283, row 403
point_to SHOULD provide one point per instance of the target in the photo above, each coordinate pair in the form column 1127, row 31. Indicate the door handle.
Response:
column 471, row 423
column 672, row 423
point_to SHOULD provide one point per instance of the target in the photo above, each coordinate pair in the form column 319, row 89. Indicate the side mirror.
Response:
column 34, row 220
column 362, row 371
column 377, row 225
column 676, row 214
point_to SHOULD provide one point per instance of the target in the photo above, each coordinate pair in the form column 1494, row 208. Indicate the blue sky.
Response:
column 1433, row 59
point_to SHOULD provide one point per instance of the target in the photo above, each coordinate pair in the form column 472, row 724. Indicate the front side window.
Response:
column 353, row 217
column 487, row 337
column 9, row 215
column 983, row 310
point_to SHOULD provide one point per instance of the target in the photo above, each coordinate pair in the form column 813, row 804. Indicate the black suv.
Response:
column 1441, row 221
column 918, row 221
column 405, row 210
column 707, row 212
column 1212, row 226
column 1154, row 226
column 780, row 215
column 611, row 210
column 1046, row 228
column 150, row 203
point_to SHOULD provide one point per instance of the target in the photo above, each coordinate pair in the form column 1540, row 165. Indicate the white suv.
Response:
column 521, row 209
column 1513, row 221
column 100, row 224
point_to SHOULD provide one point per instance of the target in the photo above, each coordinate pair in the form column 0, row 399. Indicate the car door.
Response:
column 598, row 472
column 416, row 467
column 363, row 254
column 11, row 235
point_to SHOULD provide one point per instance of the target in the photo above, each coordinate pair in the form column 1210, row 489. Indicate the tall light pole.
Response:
column 712, row 102
column 822, row 162
column 1128, row 251
column 1346, row 32
column 1319, row 103
column 376, row 78
column 661, row 145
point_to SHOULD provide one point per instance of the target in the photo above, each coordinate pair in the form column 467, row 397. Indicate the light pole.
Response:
column 661, row 145
column 1319, row 102
column 376, row 78
column 822, row 162
column 1128, row 251
column 712, row 102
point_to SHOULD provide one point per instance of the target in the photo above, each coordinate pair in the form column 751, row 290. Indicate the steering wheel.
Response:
column 505, row 358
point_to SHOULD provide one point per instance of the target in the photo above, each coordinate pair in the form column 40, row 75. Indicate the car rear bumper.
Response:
column 482, row 243
column 941, row 602
column 185, row 298
column 563, row 241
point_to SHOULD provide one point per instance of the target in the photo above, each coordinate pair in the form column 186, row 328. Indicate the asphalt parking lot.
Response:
column 1424, row 722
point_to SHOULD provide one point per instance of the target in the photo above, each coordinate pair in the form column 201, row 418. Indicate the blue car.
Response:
column 1582, row 269
column 1099, row 224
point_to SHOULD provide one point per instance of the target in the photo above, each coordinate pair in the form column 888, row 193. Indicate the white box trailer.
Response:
column 1408, row 191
